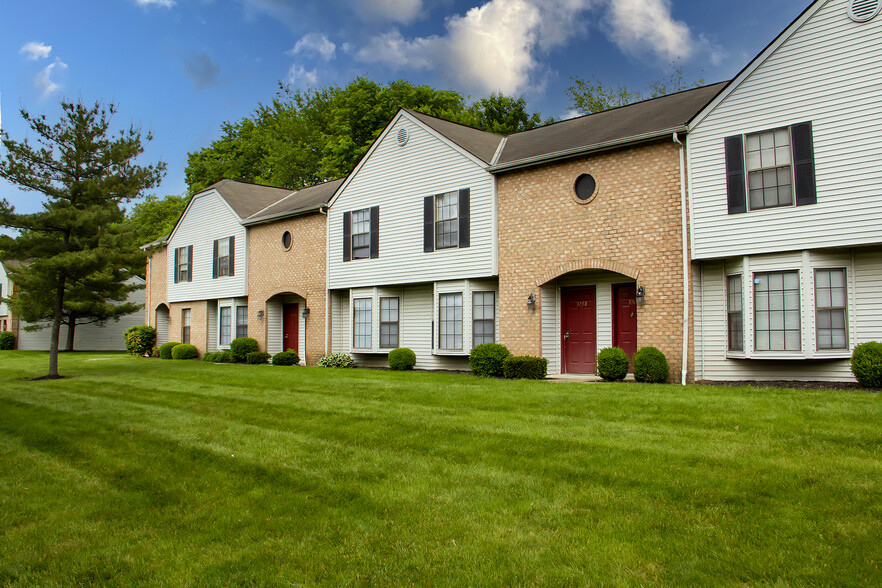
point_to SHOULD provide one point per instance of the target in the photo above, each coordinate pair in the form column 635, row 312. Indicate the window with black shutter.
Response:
column 446, row 220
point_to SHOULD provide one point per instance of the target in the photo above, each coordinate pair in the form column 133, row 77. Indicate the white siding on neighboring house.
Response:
column 397, row 179
column 827, row 72
column 208, row 218
column 5, row 290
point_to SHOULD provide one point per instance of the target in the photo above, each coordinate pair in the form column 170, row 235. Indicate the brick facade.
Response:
column 198, row 322
column 632, row 227
column 157, row 292
column 300, row 270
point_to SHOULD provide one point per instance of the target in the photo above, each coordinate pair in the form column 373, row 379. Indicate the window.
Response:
column 183, row 265
column 450, row 319
column 361, row 234
column 830, row 297
column 223, row 257
column 776, row 311
column 735, row 317
column 241, row 321
column 389, row 323
column 483, row 318
column 361, row 323
column 185, row 325
column 225, row 313
column 446, row 220
column 769, row 173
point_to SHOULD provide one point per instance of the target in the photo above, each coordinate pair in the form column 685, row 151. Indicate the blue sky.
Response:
column 179, row 68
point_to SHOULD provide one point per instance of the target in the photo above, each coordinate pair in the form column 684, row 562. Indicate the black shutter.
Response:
column 214, row 262
column 347, row 236
column 464, row 196
column 232, row 256
column 429, row 224
column 189, row 263
column 375, row 232
column 177, row 255
column 735, row 186
column 803, row 163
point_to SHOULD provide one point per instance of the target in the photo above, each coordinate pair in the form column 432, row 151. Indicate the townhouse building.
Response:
column 786, row 210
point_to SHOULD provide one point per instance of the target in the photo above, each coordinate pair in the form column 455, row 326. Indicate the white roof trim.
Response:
column 745, row 73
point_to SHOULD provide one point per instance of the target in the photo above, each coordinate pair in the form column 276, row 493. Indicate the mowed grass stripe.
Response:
column 374, row 478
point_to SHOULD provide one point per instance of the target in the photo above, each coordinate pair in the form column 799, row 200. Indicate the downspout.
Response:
column 685, row 354
column 323, row 210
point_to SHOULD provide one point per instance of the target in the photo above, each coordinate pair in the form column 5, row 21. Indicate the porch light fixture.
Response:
column 260, row 315
column 306, row 312
column 641, row 295
column 531, row 299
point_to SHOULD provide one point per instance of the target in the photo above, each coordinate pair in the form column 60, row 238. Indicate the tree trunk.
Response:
column 56, row 331
column 71, row 331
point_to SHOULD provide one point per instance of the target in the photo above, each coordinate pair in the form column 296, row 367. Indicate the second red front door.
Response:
column 290, row 326
column 625, row 318
column 579, row 330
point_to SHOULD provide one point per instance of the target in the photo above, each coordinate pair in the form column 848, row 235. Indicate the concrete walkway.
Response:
column 584, row 378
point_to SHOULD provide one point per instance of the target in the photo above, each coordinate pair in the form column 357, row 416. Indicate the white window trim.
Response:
column 747, row 171
column 466, row 288
column 220, row 336
column 374, row 294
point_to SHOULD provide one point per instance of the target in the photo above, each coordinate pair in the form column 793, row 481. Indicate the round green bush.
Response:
column 165, row 350
column 241, row 347
column 612, row 364
column 257, row 358
column 866, row 364
column 7, row 341
column 140, row 339
column 402, row 359
column 184, row 351
column 289, row 357
column 210, row 357
column 525, row 367
column 650, row 365
column 487, row 360
column 338, row 360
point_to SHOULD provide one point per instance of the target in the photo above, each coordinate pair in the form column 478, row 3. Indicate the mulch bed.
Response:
column 792, row 384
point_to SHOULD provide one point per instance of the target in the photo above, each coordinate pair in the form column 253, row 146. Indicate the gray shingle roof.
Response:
column 301, row 201
column 632, row 121
column 245, row 198
column 479, row 143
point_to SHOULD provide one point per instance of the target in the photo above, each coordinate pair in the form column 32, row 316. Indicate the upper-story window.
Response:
column 770, row 169
column 224, row 257
column 184, row 264
column 446, row 220
column 361, row 233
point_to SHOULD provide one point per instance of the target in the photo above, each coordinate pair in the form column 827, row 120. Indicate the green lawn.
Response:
column 178, row 473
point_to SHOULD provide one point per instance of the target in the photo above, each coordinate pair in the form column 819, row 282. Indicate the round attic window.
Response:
column 403, row 136
column 863, row 10
column 286, row 240
column 585, row 188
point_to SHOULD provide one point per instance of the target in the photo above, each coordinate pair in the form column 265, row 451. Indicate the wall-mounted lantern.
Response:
column 531, row 299
column 641, row 295
column 260, row 315
column 306, row 312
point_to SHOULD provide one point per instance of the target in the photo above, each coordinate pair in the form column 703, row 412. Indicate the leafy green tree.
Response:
column 77, row 245
column 589, row 97
column 155, row 217
column 500, row 114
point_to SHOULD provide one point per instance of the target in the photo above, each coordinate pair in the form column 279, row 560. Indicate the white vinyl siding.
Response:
column 207, row 219
column 5, row 290
column 398, row 179
column 828, row 73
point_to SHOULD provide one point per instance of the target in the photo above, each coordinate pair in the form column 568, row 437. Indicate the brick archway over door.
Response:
column 588, row 263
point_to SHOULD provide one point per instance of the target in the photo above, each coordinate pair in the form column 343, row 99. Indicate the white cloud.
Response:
column 44, row 83
column 315, row 43
column 162, row 3
column 34, row 50
column 647, row 25
column 401, row 11
column 394, row 50
column 298, row 76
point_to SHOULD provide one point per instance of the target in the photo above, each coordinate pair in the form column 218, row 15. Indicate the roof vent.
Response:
column 403, row 136
column 863, row 10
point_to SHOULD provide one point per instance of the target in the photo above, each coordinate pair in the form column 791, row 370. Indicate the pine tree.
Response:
column 76, row 249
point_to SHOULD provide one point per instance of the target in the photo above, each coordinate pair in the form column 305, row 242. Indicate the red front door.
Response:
column 290, row 324
column 625, row 318
column 578, row 330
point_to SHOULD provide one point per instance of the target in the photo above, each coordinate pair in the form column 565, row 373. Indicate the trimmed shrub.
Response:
column 7, row 340
column 225, row 357
column 184, row 351
column 165, row 350
column 612, row 364
column 338, row 360
column 289, row 357
column 486, row 359
column 258, row 358
column 402, row 359
column 241, row 347
column 524, row 367
column 866, row 364
column 210, row 357
column 140, row 339
column 650, row 365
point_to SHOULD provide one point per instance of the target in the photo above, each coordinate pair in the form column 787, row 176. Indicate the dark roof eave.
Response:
column 585, row 149
column 163, row 241
column 280, row 215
